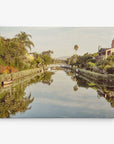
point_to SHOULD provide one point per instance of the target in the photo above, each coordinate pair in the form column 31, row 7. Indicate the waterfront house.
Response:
column 103, row 53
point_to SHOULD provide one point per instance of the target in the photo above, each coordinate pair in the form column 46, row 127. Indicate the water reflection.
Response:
column 46, row 77
column 57, row 95
column 13, row 98
column 104, row 90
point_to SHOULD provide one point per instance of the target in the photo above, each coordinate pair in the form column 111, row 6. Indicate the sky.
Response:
column 62, row 39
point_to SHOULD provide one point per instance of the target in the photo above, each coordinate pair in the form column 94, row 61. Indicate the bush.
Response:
column 90, row 65
column 111, row 58
column 91, row 60
column 7, row 69
column 110, row 70
column 106, row 67
column 2, row 62
column 47, row 59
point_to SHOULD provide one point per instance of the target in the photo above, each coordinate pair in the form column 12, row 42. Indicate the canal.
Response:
column 58, row 94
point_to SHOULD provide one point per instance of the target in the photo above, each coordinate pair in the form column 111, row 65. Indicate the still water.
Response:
column 57, row 94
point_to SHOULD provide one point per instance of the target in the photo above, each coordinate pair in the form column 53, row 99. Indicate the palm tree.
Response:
column 24, row 38
column 76, row 47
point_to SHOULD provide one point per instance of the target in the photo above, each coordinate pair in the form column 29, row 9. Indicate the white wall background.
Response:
column 56, row 13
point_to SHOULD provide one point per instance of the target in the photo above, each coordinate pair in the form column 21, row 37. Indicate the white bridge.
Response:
column 61, row 65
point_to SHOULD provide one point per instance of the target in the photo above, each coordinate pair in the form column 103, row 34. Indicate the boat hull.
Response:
column 6, row 82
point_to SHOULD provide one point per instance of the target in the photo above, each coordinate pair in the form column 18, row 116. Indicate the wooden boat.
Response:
column 7, row 82
column 4, row 86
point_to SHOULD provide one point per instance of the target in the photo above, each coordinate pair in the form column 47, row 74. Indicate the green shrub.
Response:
column 100, row 67
column 2, row 62
column 110, row 70
column 90, row 65
column 106, row 67
column 111, row 58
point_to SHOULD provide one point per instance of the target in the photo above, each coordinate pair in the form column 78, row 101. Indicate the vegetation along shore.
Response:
column 15, row 60
column 99, row 65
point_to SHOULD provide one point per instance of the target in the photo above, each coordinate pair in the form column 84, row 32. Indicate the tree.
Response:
column 14, row 100
column 13, row 51
column 47, row 59
column 76, row 47
column 48, row 53
column 24, row 38
column 82, row 60
column 39, row 61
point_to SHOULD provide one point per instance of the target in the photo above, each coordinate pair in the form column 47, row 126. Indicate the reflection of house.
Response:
column 103, row 53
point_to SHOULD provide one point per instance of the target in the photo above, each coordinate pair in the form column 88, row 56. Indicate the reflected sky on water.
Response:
column 59, row 99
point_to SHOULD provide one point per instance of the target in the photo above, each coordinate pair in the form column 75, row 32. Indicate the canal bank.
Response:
column 101, row 78
column 20, row 74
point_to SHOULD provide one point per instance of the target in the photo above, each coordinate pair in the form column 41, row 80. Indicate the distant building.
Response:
column 103, row 53
column 30, row 56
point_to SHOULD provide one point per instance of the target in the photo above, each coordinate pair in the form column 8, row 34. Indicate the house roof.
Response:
column 103, row 49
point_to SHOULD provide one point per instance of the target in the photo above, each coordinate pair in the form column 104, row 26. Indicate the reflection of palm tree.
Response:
column 10, row 105
column 75, row 87
column 76, row 47
column 14, row 101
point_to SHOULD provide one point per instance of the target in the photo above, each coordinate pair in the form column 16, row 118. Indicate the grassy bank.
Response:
column 20, row 74
column 108, row 78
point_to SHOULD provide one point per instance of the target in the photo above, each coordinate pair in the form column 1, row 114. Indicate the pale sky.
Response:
column 62, row 39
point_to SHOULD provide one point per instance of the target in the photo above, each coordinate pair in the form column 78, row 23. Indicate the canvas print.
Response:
column 56, row 72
